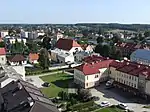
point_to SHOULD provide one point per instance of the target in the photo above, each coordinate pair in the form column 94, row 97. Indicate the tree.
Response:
column 32, row 46
column 44, row 58
column 105, row 51
column 116, row 38
column 100, row 31
column 46, row 42
column 85, row 33
column 2, row 44
column 100, row 39
column 84, row 94
column 147, row 33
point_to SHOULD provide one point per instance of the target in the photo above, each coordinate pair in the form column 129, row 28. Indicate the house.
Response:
column 87, row 48
column 33, row 58
column 11, row 73
column 59, row 35
column 61, row 56
column 81, row 55
column 128, row 48
column 3, row 34
column 2, row 56
column 17, row 60
column 68, row 45
column 131, row 77
column 141, row 56
column 21, row 96
column 92, row 73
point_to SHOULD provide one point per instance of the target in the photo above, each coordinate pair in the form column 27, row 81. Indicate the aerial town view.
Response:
column 75, row 56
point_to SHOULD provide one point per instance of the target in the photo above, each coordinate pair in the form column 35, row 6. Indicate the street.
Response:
column 115, row 98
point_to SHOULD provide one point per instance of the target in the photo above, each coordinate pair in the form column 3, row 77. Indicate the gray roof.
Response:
column 142, row 54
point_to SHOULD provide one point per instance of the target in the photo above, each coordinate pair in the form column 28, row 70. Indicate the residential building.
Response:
column 61, row 56
column 24, row 34
column 2, row 56
column 21, row 96
column 32, row 35
column 12, row 40
column 17, row 60
column 11, row 73
column 59, row 35
column 87, row 48
column 3, row 34
column 141, row 56
column 33, row 58
column 40, row 34
column 128, row 48
column 91, row 74
column 68, row 45
column 131, row 77
column 81, row 55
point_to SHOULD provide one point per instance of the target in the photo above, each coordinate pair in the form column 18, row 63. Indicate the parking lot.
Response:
column 116, row 96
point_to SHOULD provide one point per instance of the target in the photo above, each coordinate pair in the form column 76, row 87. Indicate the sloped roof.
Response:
column 16, row 58
column 66, row 44
column 2, row 51
column 141, row 53
column 93, row 67
column 33, row 56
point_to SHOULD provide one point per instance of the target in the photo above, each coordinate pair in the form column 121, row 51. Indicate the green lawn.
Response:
column 58, row 82
column 110, row 109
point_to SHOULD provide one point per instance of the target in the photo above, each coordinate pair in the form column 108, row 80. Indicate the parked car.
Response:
column 109, row 84
column 105, row 104
column 46, row 84
column 123, row 106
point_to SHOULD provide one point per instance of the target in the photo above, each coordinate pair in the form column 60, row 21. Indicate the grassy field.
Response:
column 58, row 82
column 109, row 109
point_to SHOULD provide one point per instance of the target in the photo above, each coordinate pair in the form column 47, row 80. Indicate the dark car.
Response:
column 46, row 84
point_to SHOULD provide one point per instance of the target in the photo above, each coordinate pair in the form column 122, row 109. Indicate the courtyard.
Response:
column 58, row 82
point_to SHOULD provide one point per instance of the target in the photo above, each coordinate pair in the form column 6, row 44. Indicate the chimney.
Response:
column 147, row 67
column 139, row 66
column 107, row 58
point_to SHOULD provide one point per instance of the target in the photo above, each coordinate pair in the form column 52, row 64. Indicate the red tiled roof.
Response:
column 93, row 68
column 33, row 56
column 16, row 58
column 66, row 44
column 93, row 58
column 2, row 51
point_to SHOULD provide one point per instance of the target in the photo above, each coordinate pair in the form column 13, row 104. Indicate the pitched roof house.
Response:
column 16, row 60
column 33, row 58
column 21, row 96
column 92, row 72
column 68, row 45
column 2, row 56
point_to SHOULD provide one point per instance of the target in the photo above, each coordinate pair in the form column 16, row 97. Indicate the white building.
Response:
column 141, row 56
column 61, row 56
column 32, row 35
column 24, row 34
column 92, row 74
column 3, row 34
column 59, row 35
column 9, row 74
column 68, row 45
column 2, row 56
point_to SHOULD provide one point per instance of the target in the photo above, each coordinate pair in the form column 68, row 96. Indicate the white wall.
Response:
column 4, row 33
column 5, row 82
column 147, row 89
column 20, row 70
column 13, row 40
column 73, row 49
column 79, row 75
column 17, row 63
column 3, row 59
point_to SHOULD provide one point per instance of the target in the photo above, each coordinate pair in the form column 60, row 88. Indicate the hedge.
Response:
column 81, row 106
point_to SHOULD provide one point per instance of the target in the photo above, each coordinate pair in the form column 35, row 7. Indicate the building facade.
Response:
column 2, row 56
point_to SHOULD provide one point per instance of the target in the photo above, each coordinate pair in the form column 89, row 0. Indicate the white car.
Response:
column 123, row 106
column 105, row 104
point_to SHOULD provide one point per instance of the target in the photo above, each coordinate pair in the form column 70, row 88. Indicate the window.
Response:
column 129, row 77
column 134, row 85
column 2, row 59
column 132, row 78
column 87, row 77
column 96, row 76
column 86, row 84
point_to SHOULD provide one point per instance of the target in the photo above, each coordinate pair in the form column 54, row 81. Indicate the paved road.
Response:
column 115, row 98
